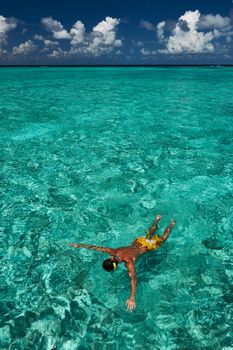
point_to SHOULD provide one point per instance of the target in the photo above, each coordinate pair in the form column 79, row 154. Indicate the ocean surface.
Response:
column 92, row 155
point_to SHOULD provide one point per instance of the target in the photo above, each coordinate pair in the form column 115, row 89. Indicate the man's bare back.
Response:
column 129, row 254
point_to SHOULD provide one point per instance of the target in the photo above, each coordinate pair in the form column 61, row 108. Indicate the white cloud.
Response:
column 218, row 33
column 54, row 54
column 189, row 39
column 138, row 43
column 24, row 48
column 194, row 33
column 50, row 43
column 58, row 53
column 107, row 32
column 38, row 37
column 6, row 24
column 77, row 33
column 160, row 30
column 145, row 52
column 147, row 25
column 186, row 38
column 213, row 22
column 101, row 40
column 55, row 27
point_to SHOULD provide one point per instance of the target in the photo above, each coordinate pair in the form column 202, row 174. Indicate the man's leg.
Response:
column 168, row 230
column 154, row 226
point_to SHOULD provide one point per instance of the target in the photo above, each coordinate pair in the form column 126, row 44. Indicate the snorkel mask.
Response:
column 110, row 264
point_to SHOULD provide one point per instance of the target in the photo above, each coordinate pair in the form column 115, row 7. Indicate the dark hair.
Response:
column 108, row 264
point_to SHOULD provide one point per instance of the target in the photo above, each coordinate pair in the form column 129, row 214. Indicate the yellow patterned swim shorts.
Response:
column 151, row 244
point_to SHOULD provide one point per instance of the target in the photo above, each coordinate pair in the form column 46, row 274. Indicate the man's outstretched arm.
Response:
column 93, row 247
column 132, row 274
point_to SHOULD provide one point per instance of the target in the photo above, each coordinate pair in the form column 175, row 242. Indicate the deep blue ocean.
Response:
column 92, row 155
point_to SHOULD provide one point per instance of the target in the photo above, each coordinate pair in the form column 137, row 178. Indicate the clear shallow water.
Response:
column 92, row 155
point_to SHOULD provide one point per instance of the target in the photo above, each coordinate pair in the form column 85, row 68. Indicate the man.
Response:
column 129, row 254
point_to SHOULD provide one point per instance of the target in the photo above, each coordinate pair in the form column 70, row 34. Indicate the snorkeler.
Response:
column 129, row 254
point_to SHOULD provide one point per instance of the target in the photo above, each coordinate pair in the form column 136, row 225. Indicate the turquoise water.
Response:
column 92, row 155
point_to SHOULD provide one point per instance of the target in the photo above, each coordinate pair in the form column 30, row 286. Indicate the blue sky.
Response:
column 116, row 32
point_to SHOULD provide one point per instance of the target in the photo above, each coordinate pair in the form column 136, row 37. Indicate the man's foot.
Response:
column 154, row 227
column 168, row 230
column 172, row 223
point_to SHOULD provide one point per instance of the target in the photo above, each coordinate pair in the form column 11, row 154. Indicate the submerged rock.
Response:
column 213, row 244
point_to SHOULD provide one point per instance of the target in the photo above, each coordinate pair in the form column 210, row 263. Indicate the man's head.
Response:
column 110, row 264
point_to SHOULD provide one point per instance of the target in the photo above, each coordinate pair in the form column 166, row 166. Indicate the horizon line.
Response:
column 114, row 65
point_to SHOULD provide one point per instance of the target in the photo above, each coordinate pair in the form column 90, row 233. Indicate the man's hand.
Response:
column 130, row 304
column 75, row 245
